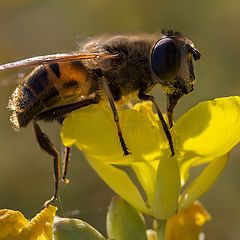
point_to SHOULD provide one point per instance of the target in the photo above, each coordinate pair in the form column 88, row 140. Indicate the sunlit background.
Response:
column 31, row 28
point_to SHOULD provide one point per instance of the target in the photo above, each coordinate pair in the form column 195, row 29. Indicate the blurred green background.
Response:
column 31, row 28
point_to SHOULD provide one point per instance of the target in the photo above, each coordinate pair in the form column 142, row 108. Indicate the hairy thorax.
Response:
column 131, row 69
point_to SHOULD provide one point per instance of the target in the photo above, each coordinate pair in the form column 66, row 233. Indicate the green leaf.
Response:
column 74, row 229
column 124, row 222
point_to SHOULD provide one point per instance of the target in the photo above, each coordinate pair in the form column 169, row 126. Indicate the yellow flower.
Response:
column 187, row 224
column 202, row 136
column 14, row 226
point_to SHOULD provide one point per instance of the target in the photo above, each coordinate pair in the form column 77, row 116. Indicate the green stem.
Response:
column 160, row 226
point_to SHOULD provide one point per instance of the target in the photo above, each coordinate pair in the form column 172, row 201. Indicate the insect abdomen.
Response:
column 32, row 97
column 49, row 86
column 24, row 106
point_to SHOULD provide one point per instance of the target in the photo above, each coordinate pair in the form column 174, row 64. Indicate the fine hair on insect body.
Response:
column 107, row 68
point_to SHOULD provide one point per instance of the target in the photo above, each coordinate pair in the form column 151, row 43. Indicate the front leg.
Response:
column 145, row 97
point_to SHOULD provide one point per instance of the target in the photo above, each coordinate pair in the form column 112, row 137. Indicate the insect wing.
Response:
column 55, row 58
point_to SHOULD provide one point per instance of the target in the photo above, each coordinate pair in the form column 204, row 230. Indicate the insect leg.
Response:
column 114, row 110
column 66, row 161
column 45, row 144
column 171, row 103
column 145, row 97
column 60, row 112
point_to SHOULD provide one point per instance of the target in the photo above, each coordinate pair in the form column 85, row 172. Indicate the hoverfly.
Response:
column 110, row 66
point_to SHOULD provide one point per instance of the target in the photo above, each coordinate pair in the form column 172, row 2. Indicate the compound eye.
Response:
column 166, row 59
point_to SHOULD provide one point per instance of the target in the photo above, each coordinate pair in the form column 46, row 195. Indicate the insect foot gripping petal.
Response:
column 145, row 97
column 49, row 202
column 165, row 128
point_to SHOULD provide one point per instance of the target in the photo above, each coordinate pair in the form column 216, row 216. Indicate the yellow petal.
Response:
column 11, row 224
column 146, row 109
column 120, row 182
column 167, row 188
column 40, row 227
column 93, row 130
column 14, row 226
column 187, row 224
column 203, row 182
column 192, row 161
column 211, row 128
column 146, row 175
column 151, row 234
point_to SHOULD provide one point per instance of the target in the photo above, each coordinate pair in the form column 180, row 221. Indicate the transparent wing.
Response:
column 54, row 58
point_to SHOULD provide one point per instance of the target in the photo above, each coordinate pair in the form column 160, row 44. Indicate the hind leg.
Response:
column 46, row 145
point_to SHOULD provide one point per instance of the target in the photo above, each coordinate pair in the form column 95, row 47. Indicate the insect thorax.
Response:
column 130, row 71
